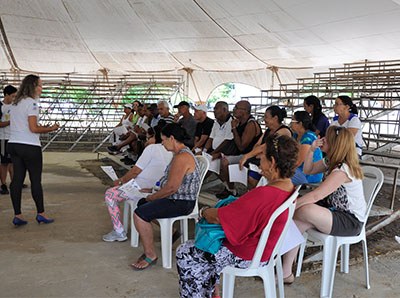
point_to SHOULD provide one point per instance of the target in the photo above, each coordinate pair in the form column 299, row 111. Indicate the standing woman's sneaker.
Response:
column 4, row 190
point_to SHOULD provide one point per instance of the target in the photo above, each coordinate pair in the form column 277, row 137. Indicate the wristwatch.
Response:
column 120, row 182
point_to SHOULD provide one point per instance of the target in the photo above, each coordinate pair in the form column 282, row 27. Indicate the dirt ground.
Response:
column 69, row 259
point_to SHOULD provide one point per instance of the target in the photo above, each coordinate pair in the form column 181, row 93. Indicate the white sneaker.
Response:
column 115, row 236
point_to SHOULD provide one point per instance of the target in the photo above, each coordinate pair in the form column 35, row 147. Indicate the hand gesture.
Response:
column 235, row 123
column 317, row 144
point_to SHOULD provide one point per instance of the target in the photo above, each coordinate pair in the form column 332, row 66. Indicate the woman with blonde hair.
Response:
column 337, row 207
column 25, row 149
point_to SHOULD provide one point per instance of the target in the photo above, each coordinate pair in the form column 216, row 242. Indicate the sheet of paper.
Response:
column 110, row 172
column 132, row 189
column 237, row 175
column 292, row 238
column 254, row 168
column 215, row 164
column 197, row 150
column 145, row 126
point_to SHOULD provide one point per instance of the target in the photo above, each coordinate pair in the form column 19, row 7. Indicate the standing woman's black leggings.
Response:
column 26, row 157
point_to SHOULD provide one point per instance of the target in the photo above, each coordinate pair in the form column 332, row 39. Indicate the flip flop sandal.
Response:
column 149, row 262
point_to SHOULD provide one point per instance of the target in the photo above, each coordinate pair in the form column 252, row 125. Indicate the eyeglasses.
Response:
column 339, row 104
column 294, row 121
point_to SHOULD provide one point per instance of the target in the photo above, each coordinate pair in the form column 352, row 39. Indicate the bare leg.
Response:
column 3, row 173
column 145, row 231
column 224, row 173
column 251, row 183
column 132, row 137
column 307, row 217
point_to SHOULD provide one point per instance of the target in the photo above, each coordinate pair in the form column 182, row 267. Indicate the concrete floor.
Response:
column 69, row 259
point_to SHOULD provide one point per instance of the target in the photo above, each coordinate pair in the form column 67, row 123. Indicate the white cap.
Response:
column 201, row 107
column 128, row 105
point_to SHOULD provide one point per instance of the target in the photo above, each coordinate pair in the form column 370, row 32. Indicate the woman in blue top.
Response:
column 312, row 105
column 304, row 134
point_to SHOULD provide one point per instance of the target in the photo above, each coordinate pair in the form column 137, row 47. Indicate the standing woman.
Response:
column 312, row 105
column 24, row 147
column 346, row 112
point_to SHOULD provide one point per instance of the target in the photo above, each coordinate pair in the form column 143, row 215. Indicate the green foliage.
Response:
column 223, row 92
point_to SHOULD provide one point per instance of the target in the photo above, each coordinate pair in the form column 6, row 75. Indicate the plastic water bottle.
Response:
column 157, row 186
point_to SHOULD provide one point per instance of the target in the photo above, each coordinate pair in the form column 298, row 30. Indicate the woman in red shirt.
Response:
column 198, row 270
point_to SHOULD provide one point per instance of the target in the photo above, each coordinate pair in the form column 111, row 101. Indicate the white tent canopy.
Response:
column 217, row 41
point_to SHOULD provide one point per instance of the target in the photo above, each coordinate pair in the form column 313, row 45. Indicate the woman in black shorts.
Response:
column 337, row 207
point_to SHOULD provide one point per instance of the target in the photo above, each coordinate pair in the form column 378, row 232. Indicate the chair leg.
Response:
column 184, row 230
column 344, row 258
column 365, row 251
column 301, row 255
column 228, row 285
column 330, row 252
column 134, row 232
column 279, row 274
column 125, row 218
column 268, row 278
column 166, row 241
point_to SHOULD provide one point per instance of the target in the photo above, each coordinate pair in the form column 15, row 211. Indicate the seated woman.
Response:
column 124, row 125
column 273, row 119
column 312, row 105
column 176, row 197
column 304, row 134
column 146, row 172
column 199, row 271
column 337, row 207
column 347, row 117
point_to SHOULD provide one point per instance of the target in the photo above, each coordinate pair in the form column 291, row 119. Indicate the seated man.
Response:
column 221, row 132
column 203, row 127
column 163, row 111
column 246, row 131
column 187, row 121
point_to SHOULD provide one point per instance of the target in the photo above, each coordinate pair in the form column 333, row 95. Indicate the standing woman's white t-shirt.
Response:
column 19, row 123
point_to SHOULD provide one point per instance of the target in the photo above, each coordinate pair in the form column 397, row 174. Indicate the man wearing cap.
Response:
column 203, row 127
column 186, row 120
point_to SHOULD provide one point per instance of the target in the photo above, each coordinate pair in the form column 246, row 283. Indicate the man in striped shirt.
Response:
column 163, row 111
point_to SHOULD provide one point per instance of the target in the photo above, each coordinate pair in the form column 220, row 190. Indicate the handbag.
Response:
column 209, row 237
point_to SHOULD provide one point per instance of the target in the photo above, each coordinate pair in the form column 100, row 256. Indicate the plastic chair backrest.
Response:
column 372, row 183
column 204, row 165
column 289, row 204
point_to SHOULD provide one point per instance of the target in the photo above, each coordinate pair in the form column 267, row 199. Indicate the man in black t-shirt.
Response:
column 203, row 127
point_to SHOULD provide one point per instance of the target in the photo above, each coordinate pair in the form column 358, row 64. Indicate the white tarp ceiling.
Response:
column 220, row 40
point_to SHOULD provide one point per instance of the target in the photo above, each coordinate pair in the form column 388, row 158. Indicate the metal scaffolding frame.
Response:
column 88, row 107
column 374, row 87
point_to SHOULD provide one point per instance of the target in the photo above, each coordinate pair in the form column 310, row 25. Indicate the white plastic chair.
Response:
column 265, row 272
column 372, row 183
column 166, row 223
